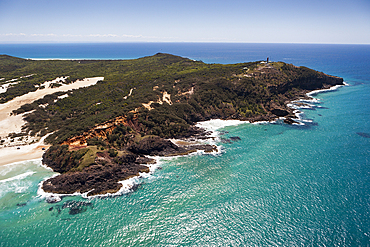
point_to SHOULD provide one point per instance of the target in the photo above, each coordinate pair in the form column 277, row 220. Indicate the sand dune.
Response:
column 13, row 124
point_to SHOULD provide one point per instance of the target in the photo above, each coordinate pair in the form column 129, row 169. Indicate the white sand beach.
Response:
column 22, row 152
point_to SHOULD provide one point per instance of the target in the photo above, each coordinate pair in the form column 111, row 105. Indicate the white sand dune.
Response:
column 9, row 124
column 13, row 124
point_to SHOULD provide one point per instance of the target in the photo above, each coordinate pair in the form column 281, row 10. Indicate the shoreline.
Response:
column 302, row 103
column 21, row 153
column 212, row 126
column 131, row 183
column 128, row 185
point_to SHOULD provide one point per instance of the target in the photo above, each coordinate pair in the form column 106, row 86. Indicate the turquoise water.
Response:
column 278, row 185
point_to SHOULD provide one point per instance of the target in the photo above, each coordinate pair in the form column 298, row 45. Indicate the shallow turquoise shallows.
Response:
column 279, row 185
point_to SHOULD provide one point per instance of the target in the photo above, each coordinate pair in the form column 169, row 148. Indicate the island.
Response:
column 106, row 132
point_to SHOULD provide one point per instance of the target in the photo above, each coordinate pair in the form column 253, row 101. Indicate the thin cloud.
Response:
column 103, row 35
column 43, row 35
column 85, row 37
column 13, row 34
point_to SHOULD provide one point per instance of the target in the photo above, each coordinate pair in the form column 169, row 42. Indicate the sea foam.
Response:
column 311, row 103
column 18, row 177
column 215, row 124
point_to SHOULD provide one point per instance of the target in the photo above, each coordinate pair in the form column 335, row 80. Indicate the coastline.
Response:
column 128, row 185
column 210, row 126
column 103, row 172
column 34, row 151
column 25, row 152
column 299, row 104
column 131, row 183
column 279, row 184
column 10, row 155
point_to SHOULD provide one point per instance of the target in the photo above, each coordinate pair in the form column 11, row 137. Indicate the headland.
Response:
column 101, row 135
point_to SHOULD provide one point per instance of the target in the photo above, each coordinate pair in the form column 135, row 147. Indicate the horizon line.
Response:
column 173, row 42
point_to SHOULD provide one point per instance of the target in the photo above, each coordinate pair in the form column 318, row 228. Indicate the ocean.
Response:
column 279, row 185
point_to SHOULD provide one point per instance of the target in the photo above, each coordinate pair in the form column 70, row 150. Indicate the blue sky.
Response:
column 269, row 21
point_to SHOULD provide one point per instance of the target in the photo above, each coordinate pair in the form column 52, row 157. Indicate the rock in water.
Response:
column 76, row 207
column 363, row 134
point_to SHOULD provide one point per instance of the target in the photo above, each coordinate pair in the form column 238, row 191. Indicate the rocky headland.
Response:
column 103, row 134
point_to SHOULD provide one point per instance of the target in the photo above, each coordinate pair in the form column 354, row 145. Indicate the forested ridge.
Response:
column 198, row 91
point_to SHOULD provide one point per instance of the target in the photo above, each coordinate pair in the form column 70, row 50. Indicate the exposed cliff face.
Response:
column 309, row 83
column 100, row 131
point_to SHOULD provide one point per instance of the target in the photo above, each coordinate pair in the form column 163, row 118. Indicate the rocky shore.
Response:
column 102, row 133
column 102, row 176
column 95, row 161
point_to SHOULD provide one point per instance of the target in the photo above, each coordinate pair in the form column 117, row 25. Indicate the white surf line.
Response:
column 25, row 152
column 127, row 185
column 299, row 104
column 18, row 177
column 333, row 88
column 214, row 124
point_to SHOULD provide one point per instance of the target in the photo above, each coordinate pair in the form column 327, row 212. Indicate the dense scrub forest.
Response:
column 182, row 92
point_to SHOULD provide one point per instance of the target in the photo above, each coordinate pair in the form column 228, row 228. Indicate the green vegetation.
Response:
column 87, row 159
column 64, row 159
column 198, row 91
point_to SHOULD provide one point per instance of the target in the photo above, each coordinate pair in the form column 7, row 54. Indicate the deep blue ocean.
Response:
column 279, row 185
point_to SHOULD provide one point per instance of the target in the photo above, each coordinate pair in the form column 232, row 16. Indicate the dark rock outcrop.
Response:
column 363, row 134
column 153, row 145
column 280, row 112
column 102, row 176
column 261, row 94
column 97, row 178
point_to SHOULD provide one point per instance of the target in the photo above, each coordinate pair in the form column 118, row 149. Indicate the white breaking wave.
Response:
column 305, row 103
column 18, row 177
column 127, row 186
column 333, row 88
column 215, row 124
column 16, row 184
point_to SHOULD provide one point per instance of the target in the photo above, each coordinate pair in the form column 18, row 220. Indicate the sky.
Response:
column 242, row 21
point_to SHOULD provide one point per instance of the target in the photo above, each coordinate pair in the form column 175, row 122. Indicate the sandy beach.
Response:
column 21, row 150
column 22, row 153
